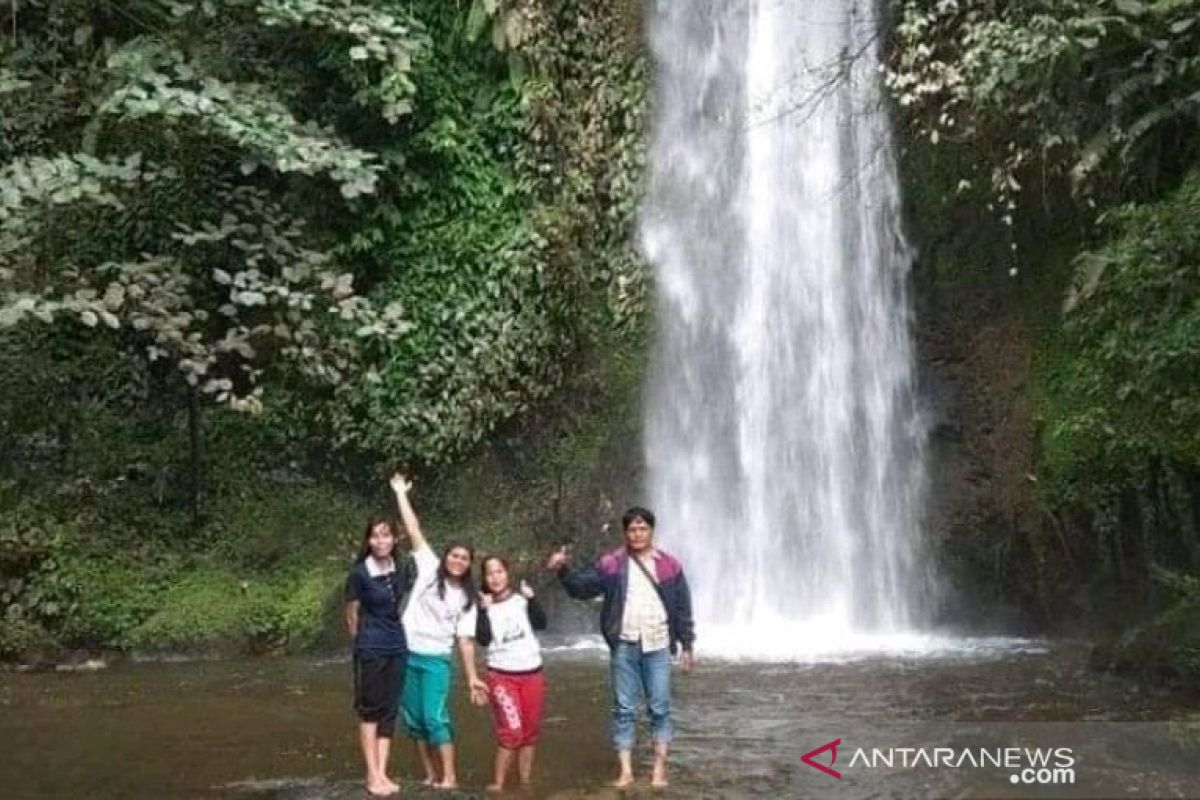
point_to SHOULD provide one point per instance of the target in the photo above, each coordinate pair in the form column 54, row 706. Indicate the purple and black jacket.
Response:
column 609, row 576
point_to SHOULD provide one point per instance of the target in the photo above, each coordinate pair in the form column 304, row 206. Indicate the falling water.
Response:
column 783, row 440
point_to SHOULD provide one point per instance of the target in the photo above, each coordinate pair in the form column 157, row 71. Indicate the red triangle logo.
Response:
column 807, row 758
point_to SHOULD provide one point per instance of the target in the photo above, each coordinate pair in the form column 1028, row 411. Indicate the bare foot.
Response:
column 429, row 781
column 494, row 787
column 381, row 789
column 624, row 781
column 393, row 787
column 449, row 783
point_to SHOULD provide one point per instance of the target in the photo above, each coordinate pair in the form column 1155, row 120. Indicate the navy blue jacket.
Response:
column 609, row 576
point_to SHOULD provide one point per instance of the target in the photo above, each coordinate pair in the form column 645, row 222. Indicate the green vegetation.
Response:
column 1167, row 646
column 1073, row 127
column 1120, row 380
column 1120, row 452
column 254, row 252
column 104, row 564
column 1100, row 96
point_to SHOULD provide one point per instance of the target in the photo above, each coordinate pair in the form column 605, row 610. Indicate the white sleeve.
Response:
column 466, row 623
column 427, row 563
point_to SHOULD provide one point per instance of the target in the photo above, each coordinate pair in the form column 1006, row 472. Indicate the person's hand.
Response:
column 485, row 600
column 400, row 484
column 526, row 590
column 687, row 660
column 479, row 692
column 558, row 559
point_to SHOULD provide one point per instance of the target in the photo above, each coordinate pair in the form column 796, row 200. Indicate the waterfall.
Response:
column 784, row 442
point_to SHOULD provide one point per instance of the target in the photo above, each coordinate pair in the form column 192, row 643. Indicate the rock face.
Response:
column 1166, row 647
column 975, row 356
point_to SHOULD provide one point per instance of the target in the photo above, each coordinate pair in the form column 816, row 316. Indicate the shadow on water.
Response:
column 282, row 729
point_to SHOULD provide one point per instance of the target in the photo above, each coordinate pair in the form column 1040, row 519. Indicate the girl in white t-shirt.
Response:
column 516, row 687
column 441, row 611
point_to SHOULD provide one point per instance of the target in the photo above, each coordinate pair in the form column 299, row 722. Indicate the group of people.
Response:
column 406, row 618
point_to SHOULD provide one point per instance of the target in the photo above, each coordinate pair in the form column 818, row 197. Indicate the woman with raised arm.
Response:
column 441, row 611
column 373, row 622
column 508, row 617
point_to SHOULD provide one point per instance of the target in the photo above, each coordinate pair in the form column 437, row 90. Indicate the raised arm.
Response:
column 401, row 487
column 582, row 584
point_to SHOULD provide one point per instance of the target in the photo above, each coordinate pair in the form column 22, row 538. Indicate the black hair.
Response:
column 483, row 587
column 468, row 588
column 364, row 549
column 637, row 512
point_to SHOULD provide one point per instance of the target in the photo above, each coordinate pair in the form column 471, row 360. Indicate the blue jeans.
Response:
column 636, row 675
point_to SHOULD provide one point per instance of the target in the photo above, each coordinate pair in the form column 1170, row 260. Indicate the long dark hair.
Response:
column 483, row 565
column 364, row 549
column 468, row 588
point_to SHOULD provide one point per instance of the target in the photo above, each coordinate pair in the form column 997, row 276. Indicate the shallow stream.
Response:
column 283, row 728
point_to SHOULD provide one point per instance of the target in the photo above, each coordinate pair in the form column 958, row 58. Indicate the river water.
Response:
column 283, row 728
column 784, row 434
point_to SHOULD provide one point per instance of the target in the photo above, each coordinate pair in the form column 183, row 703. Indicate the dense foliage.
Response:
column 511, row 226
column 181, row 212
column 251, row 250
column 1073, row 127
column 1099, row 95
column 1120, row 448
column 1133, row 332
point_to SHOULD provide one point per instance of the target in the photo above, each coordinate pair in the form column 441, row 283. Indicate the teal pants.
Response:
column 425, row 701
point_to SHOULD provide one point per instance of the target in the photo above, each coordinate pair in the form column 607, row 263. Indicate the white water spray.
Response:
column 783, row 439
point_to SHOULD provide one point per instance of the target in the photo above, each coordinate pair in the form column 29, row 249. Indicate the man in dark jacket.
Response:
column 646, row 618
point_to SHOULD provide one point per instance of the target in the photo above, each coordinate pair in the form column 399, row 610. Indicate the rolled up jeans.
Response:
column 637, row 675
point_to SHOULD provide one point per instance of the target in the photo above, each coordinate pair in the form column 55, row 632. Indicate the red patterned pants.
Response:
column 516, row 706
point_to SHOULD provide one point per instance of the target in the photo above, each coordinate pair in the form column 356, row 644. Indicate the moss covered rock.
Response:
column 1167, row 647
